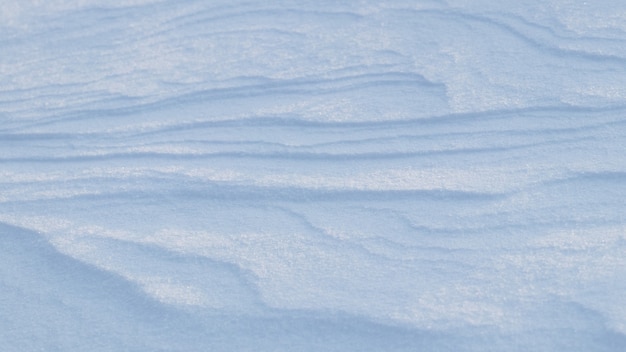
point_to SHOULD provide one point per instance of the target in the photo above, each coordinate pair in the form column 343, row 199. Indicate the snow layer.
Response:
column 312, row 175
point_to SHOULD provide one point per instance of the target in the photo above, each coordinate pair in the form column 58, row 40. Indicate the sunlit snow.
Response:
column 312, row 175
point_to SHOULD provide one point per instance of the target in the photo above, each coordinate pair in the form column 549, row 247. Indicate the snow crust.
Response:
column 312, row 175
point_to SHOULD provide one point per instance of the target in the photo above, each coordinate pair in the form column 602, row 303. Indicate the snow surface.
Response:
column 312, row 175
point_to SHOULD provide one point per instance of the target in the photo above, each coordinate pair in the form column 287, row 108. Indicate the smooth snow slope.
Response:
column 312, row 175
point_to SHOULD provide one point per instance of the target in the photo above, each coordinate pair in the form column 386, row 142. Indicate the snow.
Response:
column 312, row 175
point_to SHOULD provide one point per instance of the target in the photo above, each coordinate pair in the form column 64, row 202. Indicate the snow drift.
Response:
column 185, row 176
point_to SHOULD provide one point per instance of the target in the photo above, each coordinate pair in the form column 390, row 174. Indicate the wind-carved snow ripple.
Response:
column 433, row 173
